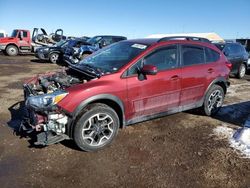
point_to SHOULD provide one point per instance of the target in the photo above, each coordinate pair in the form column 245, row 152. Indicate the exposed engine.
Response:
column 41, row 95
column 60, row 80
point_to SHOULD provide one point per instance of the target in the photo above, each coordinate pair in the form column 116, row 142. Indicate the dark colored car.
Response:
column 125, row 83
column 93, row 44
column 237, row 55
column 55, row 53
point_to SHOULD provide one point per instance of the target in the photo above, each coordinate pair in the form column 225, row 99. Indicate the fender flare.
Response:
column 215, row 81
column 56, row 51
column 90, row 100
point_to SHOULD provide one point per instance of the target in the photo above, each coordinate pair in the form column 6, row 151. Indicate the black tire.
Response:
column 208, row 107
column 53, row 57
column 90, row 138
column 11, row 50
column 242, row 71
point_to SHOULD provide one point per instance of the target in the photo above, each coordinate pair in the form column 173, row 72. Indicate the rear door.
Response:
column 157, row 93
column 194, row 74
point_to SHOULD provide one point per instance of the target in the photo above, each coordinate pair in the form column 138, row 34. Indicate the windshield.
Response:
column 14, row 33
column 94, row 40
column 112, row 58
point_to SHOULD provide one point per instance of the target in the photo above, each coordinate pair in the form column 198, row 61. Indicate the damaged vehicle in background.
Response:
column 21, row 40
column 125, row 83
column 54, row 53
column 73, row 56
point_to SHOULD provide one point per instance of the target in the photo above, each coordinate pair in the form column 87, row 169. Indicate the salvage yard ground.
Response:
column 179, row 150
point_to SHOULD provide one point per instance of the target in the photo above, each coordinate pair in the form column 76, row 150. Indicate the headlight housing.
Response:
column 45, row 49
column 46, row 101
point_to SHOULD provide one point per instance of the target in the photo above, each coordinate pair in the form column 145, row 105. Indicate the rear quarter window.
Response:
column 211, row 55
column 192, row 55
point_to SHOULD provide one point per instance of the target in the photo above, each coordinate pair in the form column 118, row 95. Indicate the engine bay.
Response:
column 50, row 83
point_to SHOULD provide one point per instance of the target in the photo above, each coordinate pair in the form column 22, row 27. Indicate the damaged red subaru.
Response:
column 125, row 83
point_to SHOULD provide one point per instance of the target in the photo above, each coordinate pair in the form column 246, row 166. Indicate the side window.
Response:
column 211, row 55
column 107, row 40
column 165, row 58
column 134, row 68
column 116, row 39
column 192, row 55
column 25, row 34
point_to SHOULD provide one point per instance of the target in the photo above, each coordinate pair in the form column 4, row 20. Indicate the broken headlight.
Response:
column 43, row 102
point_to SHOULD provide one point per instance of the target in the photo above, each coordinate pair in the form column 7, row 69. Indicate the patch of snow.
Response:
column 239, row 140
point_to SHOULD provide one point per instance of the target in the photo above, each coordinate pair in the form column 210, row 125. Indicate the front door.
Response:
column 23, row 40
column 156, row 93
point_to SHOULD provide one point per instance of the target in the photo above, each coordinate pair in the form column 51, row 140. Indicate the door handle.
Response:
column 210, row 70
column 175, row 77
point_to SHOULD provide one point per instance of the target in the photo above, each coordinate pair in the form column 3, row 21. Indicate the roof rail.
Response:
column 200, row 39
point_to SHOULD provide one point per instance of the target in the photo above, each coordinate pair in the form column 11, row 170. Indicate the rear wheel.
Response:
column 96, row 128
column 12, row 50
column 54, row 57
column 242, row 71
column 213, row 100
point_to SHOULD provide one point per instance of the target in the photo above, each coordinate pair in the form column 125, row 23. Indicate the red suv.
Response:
column 122, row 84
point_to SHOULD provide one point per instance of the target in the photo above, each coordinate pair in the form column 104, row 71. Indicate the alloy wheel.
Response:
column 98, row 129
column 215, row 100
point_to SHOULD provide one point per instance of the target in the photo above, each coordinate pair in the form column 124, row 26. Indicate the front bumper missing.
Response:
column 40, row 125
column 43, row 138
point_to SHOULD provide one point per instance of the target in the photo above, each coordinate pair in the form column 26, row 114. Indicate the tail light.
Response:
column 229, row 65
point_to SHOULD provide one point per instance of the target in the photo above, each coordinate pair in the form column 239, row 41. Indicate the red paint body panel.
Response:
column 167, row 90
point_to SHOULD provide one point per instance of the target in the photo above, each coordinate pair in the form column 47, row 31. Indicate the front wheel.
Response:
column 12, row 50
column 213, row 100
column 54, row 57
column 97, row 127
column 242, row 71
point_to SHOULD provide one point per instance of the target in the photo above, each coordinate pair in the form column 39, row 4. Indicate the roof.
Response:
column 214, row 37
column 146, row 41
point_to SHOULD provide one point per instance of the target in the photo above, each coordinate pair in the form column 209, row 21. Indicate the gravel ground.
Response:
column 179, row 150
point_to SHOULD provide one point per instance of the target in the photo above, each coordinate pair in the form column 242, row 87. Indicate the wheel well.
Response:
column 112, row 104
column 12, row 44
column 223, row 85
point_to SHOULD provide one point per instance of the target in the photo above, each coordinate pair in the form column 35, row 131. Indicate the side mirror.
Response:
column 149, row 70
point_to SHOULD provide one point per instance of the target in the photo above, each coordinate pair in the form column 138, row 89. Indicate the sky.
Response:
column 131, row 18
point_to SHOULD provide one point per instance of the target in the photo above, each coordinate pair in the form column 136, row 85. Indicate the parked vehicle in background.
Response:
column 55, row 53
column 237, row 55
column 93, row 44
column 2, row 34
column 125, row 83
column 21, row 41
column 245, row 43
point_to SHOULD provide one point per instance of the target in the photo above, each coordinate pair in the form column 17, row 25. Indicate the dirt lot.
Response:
column 175, row 151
